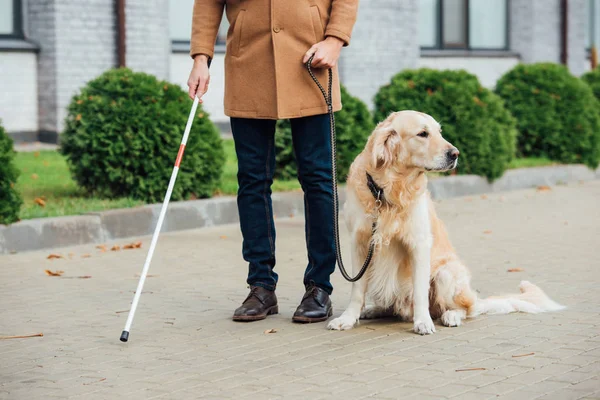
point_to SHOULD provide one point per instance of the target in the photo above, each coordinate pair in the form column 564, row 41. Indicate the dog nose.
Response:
column 453, row 153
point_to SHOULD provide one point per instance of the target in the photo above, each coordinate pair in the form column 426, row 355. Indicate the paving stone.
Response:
column 183, row 343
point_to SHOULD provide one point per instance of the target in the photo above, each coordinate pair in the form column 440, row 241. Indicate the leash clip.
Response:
column 378, row 204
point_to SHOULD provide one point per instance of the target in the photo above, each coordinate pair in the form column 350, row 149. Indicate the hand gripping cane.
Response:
column 161, row 217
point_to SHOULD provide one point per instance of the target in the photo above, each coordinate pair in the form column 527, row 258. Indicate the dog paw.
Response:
column 424, row 326
column 342, row 323
column 451, row 318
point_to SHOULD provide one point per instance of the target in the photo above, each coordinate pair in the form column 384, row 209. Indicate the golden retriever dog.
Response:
column 415, row 273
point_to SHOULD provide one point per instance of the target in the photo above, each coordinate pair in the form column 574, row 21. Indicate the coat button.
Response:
column 276, row 29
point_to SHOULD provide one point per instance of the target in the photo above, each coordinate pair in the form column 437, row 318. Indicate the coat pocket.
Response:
column 317, row 23
column 236, row 42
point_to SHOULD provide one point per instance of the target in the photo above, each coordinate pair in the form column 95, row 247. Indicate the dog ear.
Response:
column 385, row 146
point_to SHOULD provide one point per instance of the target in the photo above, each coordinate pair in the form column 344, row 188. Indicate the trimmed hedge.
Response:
column 557, row 115
column 473, row 118
column 592, row 78
column 122, row 136
column 10, row 199
column 353, row 123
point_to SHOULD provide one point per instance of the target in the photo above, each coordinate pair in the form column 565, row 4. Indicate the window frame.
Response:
column 439, row 36
column 17, row 32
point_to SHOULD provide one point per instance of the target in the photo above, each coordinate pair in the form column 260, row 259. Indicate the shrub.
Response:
column 557, row 115
column 10, row 200
column 353, row 126
column 122, row 136
column 472, row 117
column 592, row 78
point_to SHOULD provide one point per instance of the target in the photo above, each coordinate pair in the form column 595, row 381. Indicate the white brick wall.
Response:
column 535, row 31
column 148, row 41
column 487, row 69
column 384, row 41
column 18, row 97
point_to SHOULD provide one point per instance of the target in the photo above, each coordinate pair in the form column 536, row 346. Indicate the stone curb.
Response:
column 104, row 226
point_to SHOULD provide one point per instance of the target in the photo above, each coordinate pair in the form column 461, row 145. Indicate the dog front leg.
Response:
column 350, row 317
column 421, row 269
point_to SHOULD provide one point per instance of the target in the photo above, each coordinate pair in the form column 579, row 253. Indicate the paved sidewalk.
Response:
column 183, row 344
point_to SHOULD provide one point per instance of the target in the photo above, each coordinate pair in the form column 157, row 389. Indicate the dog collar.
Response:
column 376, row 190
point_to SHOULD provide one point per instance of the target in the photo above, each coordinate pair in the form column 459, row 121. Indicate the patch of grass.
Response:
column 530, row 162
column 45, row 175
column 229, row 185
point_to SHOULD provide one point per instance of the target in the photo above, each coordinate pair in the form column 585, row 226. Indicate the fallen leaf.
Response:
column 22, row 336
column 84, row 277
column 222, row 237
column 40, row 202
column 71, row 256
column 36, row 154
column 270, row 331
column 135, row 245
column 470, row 369
column 115, row 248
column 543, row 188
column 523, row 355
column 86, row 255
column 54, row 256
column 515, row 270
column 34, row 176
column 502, row 198
column 484, row 197
column 487, row 232
column 55, row 273
column 119, row 312
column 566, row 222
column 468, row 199
column 91, row 383
column 46, row 163
column 102, row 248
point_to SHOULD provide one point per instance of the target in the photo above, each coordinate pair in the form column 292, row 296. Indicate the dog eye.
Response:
column 423, row 134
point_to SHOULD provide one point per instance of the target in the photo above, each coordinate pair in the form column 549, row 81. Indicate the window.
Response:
column 10, row 18
column 180, row 22
column 463, row 24
column 592, row 32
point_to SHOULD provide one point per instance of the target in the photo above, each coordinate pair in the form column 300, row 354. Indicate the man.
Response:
column 268, row 43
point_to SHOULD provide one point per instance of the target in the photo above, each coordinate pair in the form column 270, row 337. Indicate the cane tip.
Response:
column 124, row 336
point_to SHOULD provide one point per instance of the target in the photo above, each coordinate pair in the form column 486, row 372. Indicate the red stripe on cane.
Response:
column 179, row 155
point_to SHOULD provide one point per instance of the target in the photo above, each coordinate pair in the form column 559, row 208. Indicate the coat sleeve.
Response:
column 205, row 26
column 342, row 19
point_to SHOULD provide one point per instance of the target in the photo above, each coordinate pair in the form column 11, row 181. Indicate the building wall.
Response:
column 42, row 29
column 18, row 97
column 487, row 69
column 78, row 43
column 576, row 51
column 384, row 41
column 181, row 64
column 148, row 43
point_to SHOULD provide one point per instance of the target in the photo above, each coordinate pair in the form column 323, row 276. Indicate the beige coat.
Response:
column 266, row 41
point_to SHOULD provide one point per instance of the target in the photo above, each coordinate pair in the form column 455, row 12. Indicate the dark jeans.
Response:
column 255, row 148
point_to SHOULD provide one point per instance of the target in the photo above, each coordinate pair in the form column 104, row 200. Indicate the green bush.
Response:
column 10, row 200
column 122, row 136
column 557, row 115
column 472, row 117
column 353, row 126
column 592, row 78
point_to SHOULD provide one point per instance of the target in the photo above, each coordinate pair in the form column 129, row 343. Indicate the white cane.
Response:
column 161, row 217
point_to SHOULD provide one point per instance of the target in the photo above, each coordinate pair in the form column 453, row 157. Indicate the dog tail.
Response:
column 532, row 300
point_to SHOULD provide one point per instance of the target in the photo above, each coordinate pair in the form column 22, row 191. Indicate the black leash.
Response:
column 376, row 190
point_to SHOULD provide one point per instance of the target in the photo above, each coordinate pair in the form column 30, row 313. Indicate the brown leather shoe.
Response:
column 259, row 303
column 315, row 306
